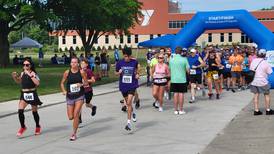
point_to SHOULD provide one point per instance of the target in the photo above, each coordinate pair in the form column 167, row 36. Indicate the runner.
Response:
column 226, row 70
column 245, row 71
column 127, row 69
column 236, row 61
column 213, row 74
column 153, row 62
column 29, row 81
column 178, row 66
column 74, row 91
column 196, row 63
column 88, row 89
column 160, row 73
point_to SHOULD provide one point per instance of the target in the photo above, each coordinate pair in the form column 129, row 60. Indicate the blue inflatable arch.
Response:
column 240, row 19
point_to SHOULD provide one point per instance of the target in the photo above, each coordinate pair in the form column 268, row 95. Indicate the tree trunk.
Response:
column 4, row 44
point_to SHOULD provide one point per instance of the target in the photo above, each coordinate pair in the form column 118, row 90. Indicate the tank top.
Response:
column 73, row 91
column 160, row 71
column 210, row 62
column 27, row 82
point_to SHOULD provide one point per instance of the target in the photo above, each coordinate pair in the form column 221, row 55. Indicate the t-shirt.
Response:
column 97, row 60
column 104, row 58
column 194, row 61
column 227, row 65
column 127, row 79
column 89, row 76
column 262, row 72
column 245, row 65
column 178, row 66
column 236, row 62
column 153, row 62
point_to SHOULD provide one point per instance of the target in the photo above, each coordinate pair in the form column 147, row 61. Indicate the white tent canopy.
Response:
column 26, row 42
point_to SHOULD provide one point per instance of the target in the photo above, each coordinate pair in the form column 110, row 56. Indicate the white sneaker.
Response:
column 134, row 117
column 176, row 112
column 182, row 112
column 157, row 104
column 161, row 109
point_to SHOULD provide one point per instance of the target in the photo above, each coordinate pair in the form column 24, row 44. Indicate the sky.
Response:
column 215, row 5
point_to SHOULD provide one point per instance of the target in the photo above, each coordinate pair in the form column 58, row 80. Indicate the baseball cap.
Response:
column 192, row 50
column 184, row 49
column 262, row 51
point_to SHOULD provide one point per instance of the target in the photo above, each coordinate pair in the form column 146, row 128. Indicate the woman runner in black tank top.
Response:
column 29, row 81
column 74, row 91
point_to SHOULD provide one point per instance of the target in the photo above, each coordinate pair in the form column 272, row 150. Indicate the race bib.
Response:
column 215, row 76
column 164, row 80
column 74, row 88
column 28, row 96
column 192, row 72
column 127, row 79
column 228, row 65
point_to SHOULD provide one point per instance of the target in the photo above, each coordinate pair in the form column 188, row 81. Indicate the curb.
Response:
column 53, row 104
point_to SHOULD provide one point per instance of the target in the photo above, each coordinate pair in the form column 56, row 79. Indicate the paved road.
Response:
column 154, row 132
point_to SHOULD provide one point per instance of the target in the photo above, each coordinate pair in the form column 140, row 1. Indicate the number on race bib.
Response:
column 215, row 76
column 127, row 79
column 160, row 80
column 192, row 72
column 74, row 88
column 28, row 96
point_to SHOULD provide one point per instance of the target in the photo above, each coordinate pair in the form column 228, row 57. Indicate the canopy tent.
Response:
column 164, row 41
column 27, row 43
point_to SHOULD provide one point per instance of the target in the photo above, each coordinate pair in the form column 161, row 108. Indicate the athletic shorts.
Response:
column 88, row 97
column 195, row 78
column 261, row 90
column 213, row 75
column 226, row 75
column 73, row 101
column 178, row 87
column 104, row 67
column 236, row 75
column 31, row 98
column 130, row 92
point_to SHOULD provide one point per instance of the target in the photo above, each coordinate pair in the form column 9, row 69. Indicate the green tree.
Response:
column 93, row 18
column 14, row 14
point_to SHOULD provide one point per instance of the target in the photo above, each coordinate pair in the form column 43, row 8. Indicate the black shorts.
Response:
column 88, row 97
column 244, row 74
column 195, row 78
column 31, row 98
column 130, row 92
column 178, row 87
column 226, row 75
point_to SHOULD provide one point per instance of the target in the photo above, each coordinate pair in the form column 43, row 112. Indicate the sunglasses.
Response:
column 160, row 57
column 27, row 65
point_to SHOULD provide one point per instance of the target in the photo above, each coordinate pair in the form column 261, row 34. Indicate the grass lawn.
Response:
column 50, row 75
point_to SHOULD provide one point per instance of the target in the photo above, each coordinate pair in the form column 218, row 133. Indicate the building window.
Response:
column 136, row 39
column 209, row 37
column 63, row 39
column 74, row 40
column 129, row 39
column 177, row 24
column 106, row 39
column 151, row 36
column 230, row 38
column 159, row 35
column 121, row 39
column 245, row 38
column 222, row 37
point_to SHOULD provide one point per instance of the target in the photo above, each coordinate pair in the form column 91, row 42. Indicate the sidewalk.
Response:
column 10, row 107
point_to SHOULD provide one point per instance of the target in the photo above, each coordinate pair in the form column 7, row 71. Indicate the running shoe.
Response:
column 210, row 96
column 182, row 112
column 217, row 96
column 128, row 127
column 192, row 100
column 73, row 137
column 122, row 101
column 137, row 104
column 21, row 131
column 124, row 109
column 270, row 112
column 93, row 112
column 176, row 112
column 257, row 113
column 37, row 131
column 134, row 117
column 227, row 89
column 161, row 109
column 233, row 90
column 156, row 104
